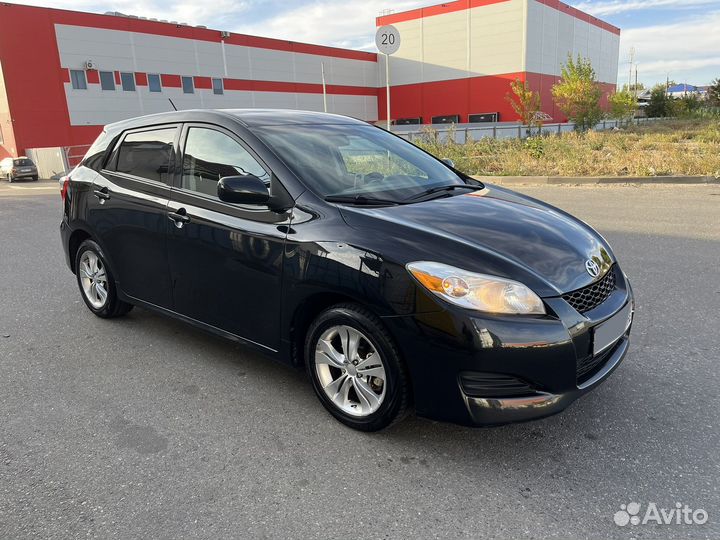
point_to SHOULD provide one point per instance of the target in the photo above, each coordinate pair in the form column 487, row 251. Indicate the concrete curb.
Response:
column 584, row 180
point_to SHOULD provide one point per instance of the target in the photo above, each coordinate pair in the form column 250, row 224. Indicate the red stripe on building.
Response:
column 141, row 79
column 128, row 24
column 170, row 81
column 439, row 9
column 300, row 88
column 203, row 82
column 117, row 77
column 460, row 5
column 581, row 15
column 65, row 75
column 93, row 77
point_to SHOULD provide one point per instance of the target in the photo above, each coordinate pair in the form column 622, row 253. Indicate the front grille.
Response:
column 493, row 385
column 593, row 295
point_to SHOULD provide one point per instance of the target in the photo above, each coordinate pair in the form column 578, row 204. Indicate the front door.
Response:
column 128, row 212
column 225, row 259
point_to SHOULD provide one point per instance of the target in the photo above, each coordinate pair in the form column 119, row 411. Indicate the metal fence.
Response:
column 473, row 132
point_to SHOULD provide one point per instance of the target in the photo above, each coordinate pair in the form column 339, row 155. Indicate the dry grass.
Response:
column 672, row 147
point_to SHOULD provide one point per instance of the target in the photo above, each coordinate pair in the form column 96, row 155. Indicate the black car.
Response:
column 397, row 281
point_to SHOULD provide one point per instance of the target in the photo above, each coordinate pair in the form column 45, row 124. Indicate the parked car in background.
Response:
column 394, row 279
column 20, row 168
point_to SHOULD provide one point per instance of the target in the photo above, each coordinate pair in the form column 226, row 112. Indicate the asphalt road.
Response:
column 144, row 427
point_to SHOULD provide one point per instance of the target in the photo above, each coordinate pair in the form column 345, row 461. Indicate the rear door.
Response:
column 128, row 211
column 225, row 259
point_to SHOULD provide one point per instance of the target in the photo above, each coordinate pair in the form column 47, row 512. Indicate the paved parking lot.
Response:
column 144, row 427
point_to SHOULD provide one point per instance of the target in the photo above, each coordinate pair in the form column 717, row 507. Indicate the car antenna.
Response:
column 171, row 103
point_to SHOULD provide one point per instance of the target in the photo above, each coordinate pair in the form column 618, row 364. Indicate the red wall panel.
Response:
column 470, row 96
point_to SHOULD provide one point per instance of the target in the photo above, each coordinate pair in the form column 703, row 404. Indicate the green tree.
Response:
column 578, row 93
column 714, row 93
column 526, row 104
column 660, row 103
column 623, row 105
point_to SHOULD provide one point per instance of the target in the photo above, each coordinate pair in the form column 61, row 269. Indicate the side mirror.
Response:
column 449, row 162
column 246, row 189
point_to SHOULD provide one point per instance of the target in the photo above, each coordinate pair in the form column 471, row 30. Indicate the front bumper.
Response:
column 538, row 358
column 490, row 411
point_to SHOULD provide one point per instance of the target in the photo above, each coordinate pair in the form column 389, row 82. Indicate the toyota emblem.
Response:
column 592, row 268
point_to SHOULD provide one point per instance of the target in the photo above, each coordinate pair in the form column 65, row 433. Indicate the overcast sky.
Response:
column 679, row 37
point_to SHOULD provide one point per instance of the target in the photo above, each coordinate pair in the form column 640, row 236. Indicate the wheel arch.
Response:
column 77, row 237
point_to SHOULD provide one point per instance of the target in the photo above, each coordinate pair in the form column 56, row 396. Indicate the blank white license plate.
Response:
column 610, row 331
column 25, row 170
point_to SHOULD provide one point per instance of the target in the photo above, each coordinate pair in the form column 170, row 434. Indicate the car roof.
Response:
column 247, row 117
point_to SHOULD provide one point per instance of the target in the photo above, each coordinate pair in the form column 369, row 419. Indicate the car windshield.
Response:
column 356, row 161
column 22, row 163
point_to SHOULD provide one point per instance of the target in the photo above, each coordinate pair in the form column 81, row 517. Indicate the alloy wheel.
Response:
column 350, row 370
column 93, row 279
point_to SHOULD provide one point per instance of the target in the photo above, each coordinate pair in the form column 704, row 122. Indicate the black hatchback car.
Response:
column 397, row 281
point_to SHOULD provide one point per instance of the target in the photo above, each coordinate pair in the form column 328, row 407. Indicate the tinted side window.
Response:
column 147, row 154
column 210, row 155
column 94, row 156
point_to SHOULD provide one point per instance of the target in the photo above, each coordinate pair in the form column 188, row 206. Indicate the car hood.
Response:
column 494, row 231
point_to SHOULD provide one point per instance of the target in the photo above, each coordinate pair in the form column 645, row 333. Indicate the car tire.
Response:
column 373, row 388
column 96, row 282
column 35, row 178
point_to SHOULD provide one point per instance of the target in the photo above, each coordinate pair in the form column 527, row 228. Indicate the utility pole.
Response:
column 632, row 61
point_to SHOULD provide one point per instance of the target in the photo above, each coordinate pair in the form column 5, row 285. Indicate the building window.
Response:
column 218, row 86
column 78, row 80
column 187, row 85
column 128, row 82
column 107, row 80
column 154, row 84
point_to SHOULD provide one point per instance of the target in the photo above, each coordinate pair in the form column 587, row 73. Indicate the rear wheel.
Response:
column 356, row 369
column 96, row 282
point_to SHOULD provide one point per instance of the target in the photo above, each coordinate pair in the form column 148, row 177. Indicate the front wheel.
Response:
column 96, row 283
column 356, row 369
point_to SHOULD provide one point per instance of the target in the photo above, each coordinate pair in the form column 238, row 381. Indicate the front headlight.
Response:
column 476, row 291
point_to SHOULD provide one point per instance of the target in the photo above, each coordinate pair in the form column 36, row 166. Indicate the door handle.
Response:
column 180, row 217
column 102, row 194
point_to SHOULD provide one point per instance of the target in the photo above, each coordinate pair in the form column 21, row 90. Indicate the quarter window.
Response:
column 147, row 154
column 128, row 82
column 187, row 85
column 211, row 155
column 78, row 80
column 107, row 80
column 154, row 84
column 217, row 85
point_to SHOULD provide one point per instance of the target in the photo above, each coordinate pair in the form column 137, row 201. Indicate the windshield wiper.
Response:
column 440, row 189
column 359, row 199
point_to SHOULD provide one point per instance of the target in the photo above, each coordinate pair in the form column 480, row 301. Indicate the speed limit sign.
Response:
column 387, row 39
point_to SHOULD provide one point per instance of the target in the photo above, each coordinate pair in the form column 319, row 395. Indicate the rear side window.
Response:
column 147, row 154
column 95, row 154
column 23, row 163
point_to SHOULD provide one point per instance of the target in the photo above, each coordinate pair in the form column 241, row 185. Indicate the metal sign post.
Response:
column 387, row 40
